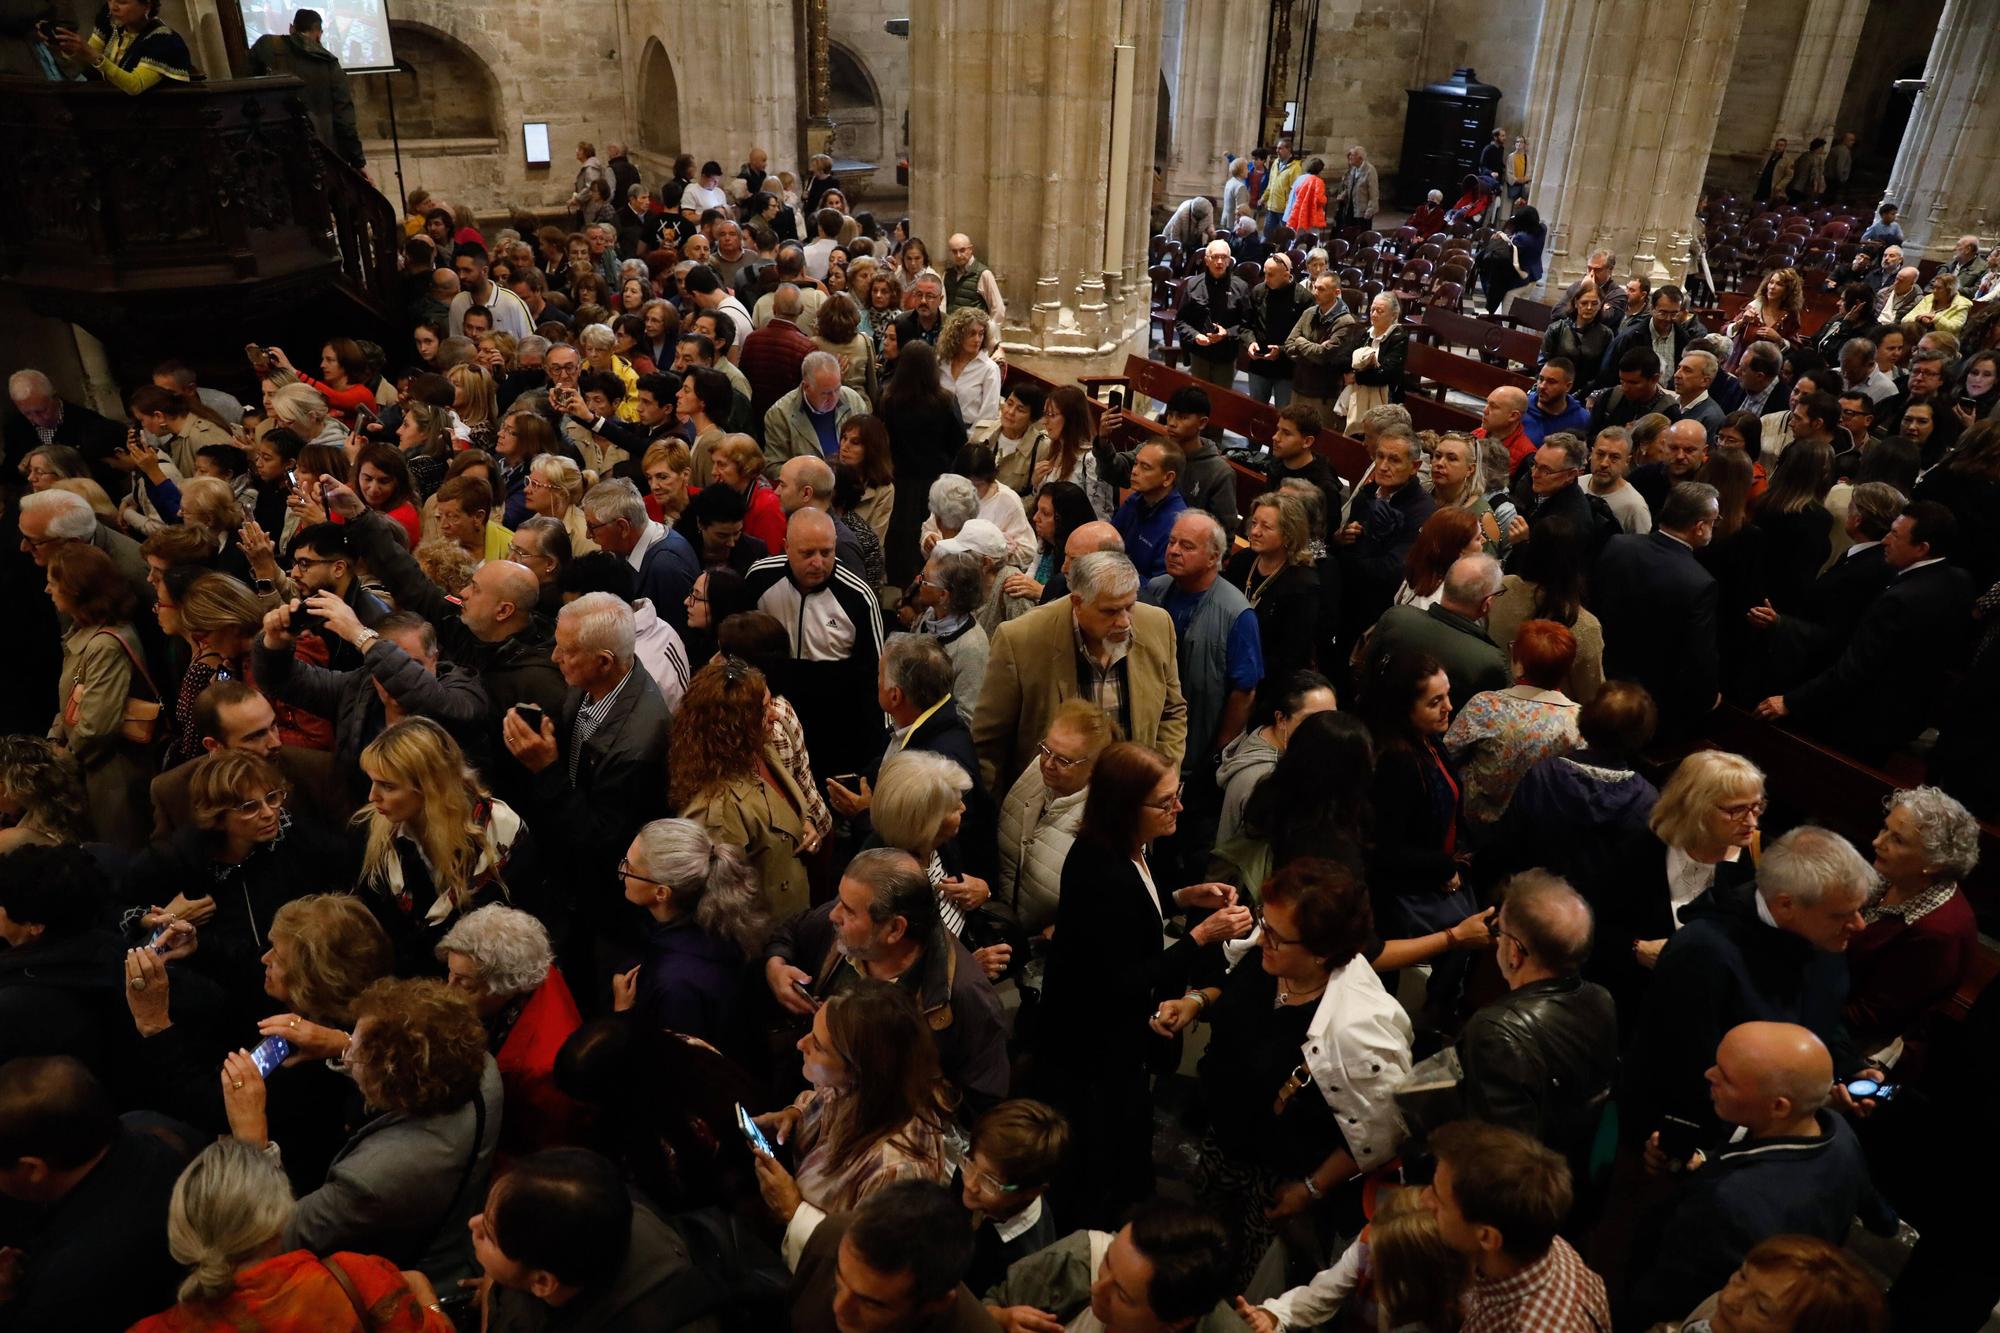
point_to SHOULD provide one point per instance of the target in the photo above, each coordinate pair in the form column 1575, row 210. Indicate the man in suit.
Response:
column 1101, row 645
column 1801, row 643
column 1878, row 694
column 232, row 715
column 598, row 771
column 896, row 1264
column 1658, row 608
column 1453, row 631
column 42, row 417
column 665, row 564
column 1692, row 378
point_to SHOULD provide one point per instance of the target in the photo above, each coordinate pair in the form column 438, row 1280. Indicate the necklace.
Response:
column 1286, row 995
column 1253, row 588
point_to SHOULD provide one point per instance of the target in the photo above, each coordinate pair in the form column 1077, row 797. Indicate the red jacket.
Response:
column 1519, row 446
column 771, row 360
column 766, row 519
column 538, row 1114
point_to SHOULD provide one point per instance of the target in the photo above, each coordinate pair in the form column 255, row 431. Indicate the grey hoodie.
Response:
column 1245, row 761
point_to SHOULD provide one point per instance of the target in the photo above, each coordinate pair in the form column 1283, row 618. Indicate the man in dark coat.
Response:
column 1380, row 526
column 1658, row 608
column 1214, row 313
column 1878, row 694
column 328, row 99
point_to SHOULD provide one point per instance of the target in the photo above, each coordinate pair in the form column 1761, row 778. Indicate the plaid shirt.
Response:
column 1555, row 1294
column 1103, row 686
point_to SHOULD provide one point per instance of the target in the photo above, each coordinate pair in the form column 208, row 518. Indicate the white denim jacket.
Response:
column 1358, row 1053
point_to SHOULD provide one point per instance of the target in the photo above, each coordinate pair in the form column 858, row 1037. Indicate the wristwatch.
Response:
column 365, row 640
column 264, row 587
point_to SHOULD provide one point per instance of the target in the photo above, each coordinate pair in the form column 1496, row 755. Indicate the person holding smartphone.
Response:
column 128, row 47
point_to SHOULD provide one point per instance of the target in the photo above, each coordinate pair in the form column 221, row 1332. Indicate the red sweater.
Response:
column 766, row 519
column 405, row 514
column 342, row 401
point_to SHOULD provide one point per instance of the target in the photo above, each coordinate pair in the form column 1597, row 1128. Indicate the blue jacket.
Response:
column 1748, row 1192
column 1145, row 529
column 1538, row 424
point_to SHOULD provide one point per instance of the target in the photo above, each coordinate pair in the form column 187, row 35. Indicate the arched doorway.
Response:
column 659, row 101
column 856, row 107
column 443, row 90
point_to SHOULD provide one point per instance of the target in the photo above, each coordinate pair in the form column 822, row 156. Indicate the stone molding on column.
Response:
column 1016, row 155
column 1218, row 94
column 1947, row 171
column 1623, row 103
column 1828, row 41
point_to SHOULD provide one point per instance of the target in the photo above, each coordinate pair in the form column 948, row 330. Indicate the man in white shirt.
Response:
column 1610, row 461
column 709, row 294
column 1859, row 372
column 704, row 192
column 826, row 223
column 476, row 287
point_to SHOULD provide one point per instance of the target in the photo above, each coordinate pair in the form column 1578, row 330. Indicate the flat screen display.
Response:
column 535, row 139
column 356, row 31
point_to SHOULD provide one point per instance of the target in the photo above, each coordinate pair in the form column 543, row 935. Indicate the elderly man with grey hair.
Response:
column 51, row 519
column 807, row 420
column 1217, row 643
column 41, row 416
column 1099, row 643
column 1766, row 950
column 1692, row 377
column 1453, row 631
column 1214, row 317
column 597, row 765
column 663, row 562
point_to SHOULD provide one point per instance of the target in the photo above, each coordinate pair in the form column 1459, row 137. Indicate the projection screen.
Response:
column 356, row 31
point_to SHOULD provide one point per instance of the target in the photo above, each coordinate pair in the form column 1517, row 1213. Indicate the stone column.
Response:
column 818, row 78
column 1947, row 173
column 1822, row 60
column 1218, row 92
column 1623, row 104
column 1017, row 155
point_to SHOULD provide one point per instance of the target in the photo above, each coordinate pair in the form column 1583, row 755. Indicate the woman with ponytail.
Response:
column 708, row 918
column 226, row 1222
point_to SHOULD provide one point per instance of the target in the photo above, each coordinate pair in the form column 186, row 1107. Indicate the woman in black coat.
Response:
column 1579, row 336
column 925, row 434
column 1275, row 572
column 1107, row 975
column 1378, row 360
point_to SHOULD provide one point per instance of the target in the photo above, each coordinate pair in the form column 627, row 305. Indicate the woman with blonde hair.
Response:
column 708, row 919
column 219, row 620
column 1701, row 836
column 476, row 403
column 1414, row 1279
column 41, row 795
column 1772, row 315
column 555, row 489
column 107, row 707
column 227, row 1220
column 413, row 1173
column 724, row 775
column 47, row 464
column 966, row 366
column 1275, row 572
column 669, row 469
column 439, row 845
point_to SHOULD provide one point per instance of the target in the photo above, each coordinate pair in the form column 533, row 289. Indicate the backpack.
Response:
column 1499, row 248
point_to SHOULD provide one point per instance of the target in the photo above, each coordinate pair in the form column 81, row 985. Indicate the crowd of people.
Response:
column 690, row 797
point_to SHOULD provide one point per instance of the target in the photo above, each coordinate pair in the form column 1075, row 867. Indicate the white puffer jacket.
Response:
column 1035, row 837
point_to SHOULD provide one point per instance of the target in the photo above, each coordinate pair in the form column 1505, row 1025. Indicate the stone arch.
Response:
column 443, row 89
column 659, row 101
column 854, row 100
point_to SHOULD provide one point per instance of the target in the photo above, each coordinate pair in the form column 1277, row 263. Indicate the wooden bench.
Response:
column 1534, row 316
column 1494, row 342
column 1428, row 364
column 1432, row 414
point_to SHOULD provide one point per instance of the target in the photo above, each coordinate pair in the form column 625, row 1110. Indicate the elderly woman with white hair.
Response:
column 599, row 345
column 954, row 501
column 501, row 959
column 302, row 410
column 950, row 592
column 1920, row 934
column 918, row 806
column 707, row 919
column 227, row 1221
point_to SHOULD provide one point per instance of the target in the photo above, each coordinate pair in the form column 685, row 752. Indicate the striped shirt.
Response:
column 589, row 718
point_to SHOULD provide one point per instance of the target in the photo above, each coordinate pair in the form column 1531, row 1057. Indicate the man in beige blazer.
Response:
column 1097, row 643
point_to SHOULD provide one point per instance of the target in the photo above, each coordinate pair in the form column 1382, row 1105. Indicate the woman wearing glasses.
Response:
column 707, row 918
column 244, row 857
column 439, row 845
column 1701, row 835
column 555, row 489
column 1107, row 974
column 1307, row 1051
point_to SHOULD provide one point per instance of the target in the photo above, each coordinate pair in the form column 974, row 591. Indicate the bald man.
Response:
column 806, row 482
column 1541, row 1058
column 968, row 282
column 1088, row 537
column 1501, row 420
column 1794, row 1168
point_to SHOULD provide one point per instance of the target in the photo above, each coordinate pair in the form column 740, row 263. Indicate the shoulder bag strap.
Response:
column 137, row 665
column 347, row 1287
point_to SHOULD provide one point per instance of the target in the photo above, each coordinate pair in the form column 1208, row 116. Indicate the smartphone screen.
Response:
column 158, row 944
column 1679, row 1139
column 754, row 1135
column 270, row 1053
column 531, row 714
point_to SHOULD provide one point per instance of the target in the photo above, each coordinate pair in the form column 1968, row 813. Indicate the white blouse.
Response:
column 977, row 388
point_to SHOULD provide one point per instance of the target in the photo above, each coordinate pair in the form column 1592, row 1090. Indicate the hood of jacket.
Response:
column 1603, row 792
column 306, row 48
column 1249, row 750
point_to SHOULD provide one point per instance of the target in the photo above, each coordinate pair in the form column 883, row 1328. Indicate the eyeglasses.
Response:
column 520, row 555
column 985, row 1181
column 1541, row 471
column 308, row 561
column 1744, row 809
column 1172, row 803
column 537, row 484
column 625, row 869
column 270, row 800
column 37, row 543
column 1277, row 941
column 1061, row 761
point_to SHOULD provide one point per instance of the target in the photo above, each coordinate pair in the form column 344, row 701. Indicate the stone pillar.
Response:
column 1947, row 173
column 1017, row 154
column 1821, row 62
column 1623, row 105
column 1218, row 92
column 818, row 77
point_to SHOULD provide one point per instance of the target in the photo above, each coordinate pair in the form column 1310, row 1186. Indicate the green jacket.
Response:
column 326, row 93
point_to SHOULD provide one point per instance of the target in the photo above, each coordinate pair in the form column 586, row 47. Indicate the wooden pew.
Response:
column 1427, row 363
column 1494, row 342
column 1431, row 414
column 1534, row 316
